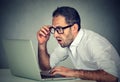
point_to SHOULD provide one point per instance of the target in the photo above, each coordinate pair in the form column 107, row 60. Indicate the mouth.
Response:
column 59, row 40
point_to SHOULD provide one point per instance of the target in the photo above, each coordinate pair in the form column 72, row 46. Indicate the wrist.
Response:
column 42, row 46
column 79, row 73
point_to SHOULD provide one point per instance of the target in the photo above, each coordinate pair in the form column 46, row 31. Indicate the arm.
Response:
column 43, row 57
column 43, row 36
column 97, row 75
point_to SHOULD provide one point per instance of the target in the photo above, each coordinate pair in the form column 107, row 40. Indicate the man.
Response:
column 93, row 56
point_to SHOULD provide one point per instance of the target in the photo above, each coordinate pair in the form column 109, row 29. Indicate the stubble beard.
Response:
column 67, row 43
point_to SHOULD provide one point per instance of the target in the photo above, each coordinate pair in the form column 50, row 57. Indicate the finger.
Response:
column 59, row 73
column 40, row 33
column 47, row 28
column 44, row 31
column 55, row 69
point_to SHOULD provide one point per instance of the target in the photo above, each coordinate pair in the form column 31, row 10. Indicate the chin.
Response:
column 63, row 46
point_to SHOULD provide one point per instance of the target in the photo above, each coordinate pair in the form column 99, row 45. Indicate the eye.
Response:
column 52, row 30
column 59, row 29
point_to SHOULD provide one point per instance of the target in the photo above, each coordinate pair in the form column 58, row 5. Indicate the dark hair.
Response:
column 71, row 15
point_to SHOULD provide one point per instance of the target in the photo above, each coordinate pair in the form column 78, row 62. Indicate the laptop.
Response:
column 23, row 62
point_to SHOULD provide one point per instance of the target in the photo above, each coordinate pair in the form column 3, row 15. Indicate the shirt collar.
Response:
column 78, row 38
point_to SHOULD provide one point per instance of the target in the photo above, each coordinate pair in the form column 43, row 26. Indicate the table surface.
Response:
column 6, row 76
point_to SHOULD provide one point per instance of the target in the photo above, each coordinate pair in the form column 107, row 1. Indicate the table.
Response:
column 6, row 76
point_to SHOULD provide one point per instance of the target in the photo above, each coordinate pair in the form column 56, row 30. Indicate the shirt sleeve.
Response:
column 105, row 56
column 59, row 54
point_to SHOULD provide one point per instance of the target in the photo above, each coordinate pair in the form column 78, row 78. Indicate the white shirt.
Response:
column 89, row 51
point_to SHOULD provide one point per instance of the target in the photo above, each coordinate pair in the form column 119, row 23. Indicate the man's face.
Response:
column 66, row 38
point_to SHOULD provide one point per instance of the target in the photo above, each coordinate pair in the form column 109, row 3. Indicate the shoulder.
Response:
column 94, row 37
column 94, row 41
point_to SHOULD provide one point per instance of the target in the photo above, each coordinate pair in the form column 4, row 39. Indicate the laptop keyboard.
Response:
column 46, row 74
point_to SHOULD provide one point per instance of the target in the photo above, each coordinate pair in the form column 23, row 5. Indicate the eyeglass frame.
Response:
column 59, row 28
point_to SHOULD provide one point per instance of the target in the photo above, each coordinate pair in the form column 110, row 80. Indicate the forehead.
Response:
column 59, row 21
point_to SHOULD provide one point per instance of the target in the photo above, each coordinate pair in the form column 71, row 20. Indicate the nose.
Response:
column 56, row 34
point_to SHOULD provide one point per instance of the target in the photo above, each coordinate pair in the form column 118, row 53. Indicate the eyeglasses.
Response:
column 59, row 29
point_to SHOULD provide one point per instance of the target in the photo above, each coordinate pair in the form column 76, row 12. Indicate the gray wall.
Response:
column 21, row 19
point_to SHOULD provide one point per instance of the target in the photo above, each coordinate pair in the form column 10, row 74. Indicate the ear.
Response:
column 75, row 28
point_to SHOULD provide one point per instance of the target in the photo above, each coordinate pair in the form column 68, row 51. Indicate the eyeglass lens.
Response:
column 58, row 29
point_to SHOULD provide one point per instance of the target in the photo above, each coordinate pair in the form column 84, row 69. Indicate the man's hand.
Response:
column 43, row 35
column 97, row 75
column 66, row 72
